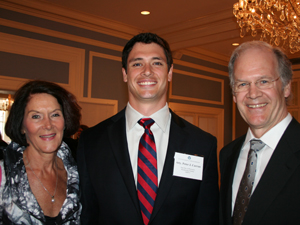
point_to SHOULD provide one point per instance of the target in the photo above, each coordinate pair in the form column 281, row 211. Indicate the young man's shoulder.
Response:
column 102, row 126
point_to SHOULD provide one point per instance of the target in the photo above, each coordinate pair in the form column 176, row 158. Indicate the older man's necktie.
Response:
column 147, row 170
column 246, row 185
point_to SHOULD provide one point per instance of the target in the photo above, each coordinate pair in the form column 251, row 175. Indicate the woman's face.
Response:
column 43, row 123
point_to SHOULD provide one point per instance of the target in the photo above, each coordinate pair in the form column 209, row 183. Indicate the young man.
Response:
column 127, row 172
column 260, row 171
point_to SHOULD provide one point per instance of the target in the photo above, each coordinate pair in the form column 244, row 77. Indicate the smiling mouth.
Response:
column 257, row 106
column 147, row 83
column 47, row 136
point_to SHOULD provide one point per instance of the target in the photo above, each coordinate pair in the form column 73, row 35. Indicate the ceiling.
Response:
column 205, row 27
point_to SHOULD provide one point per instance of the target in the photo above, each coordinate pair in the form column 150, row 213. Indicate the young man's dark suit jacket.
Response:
column 276, row 199
column 109, row 193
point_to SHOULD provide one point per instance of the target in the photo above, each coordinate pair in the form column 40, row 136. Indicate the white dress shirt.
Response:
column 271, row 139
column 160, row 130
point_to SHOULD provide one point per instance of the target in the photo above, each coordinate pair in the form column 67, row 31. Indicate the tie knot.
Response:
column 146, row 122
column 256, row 145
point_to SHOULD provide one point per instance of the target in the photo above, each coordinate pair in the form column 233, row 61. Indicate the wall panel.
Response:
column 69, row 62
column 196, row 87
column 106, row 79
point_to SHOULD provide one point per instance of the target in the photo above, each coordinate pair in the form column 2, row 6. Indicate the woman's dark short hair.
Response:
column 67, row 101
column 146, row 38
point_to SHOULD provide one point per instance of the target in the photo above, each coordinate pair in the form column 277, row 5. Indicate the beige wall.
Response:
column 85, row 58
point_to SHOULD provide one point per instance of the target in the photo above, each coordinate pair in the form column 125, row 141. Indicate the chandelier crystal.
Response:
column 277, row 21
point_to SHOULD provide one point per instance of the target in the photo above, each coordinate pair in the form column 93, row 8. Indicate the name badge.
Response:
column 188, row 166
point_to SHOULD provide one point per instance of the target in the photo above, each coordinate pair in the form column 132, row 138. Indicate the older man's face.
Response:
column 261, row 109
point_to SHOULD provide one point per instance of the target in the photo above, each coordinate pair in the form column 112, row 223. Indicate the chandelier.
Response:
column 277, row 21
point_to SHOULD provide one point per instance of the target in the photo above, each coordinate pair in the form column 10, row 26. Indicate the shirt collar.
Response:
column 272, row 137
column 161, row 117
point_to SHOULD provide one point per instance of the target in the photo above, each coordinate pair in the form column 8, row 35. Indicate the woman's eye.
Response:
column 55, row 115
column 35, row 117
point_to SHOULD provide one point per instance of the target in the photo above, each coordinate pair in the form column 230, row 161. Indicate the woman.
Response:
column 39, row 178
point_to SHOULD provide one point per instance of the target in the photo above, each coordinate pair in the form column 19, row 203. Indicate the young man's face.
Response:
column 147, row 74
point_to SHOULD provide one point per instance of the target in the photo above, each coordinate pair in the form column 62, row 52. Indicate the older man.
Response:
column 260, row 171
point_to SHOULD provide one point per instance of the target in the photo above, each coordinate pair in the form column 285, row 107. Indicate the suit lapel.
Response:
column 176, row 138
column 120, row 150
column 278, row 171
column 226, row 182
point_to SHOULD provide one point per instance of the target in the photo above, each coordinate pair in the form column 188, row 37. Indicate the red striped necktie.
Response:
column 147, row 170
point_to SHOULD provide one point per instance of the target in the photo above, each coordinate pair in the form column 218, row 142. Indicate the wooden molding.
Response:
column 110, row 102
column 45, row 50
column 101, row 55
column 63, row 15
column 172, row 96
column 217, row 113
column 199, row 67
column 61, row 35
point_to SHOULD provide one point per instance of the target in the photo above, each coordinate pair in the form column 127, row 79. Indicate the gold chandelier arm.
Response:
column 277, row 21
